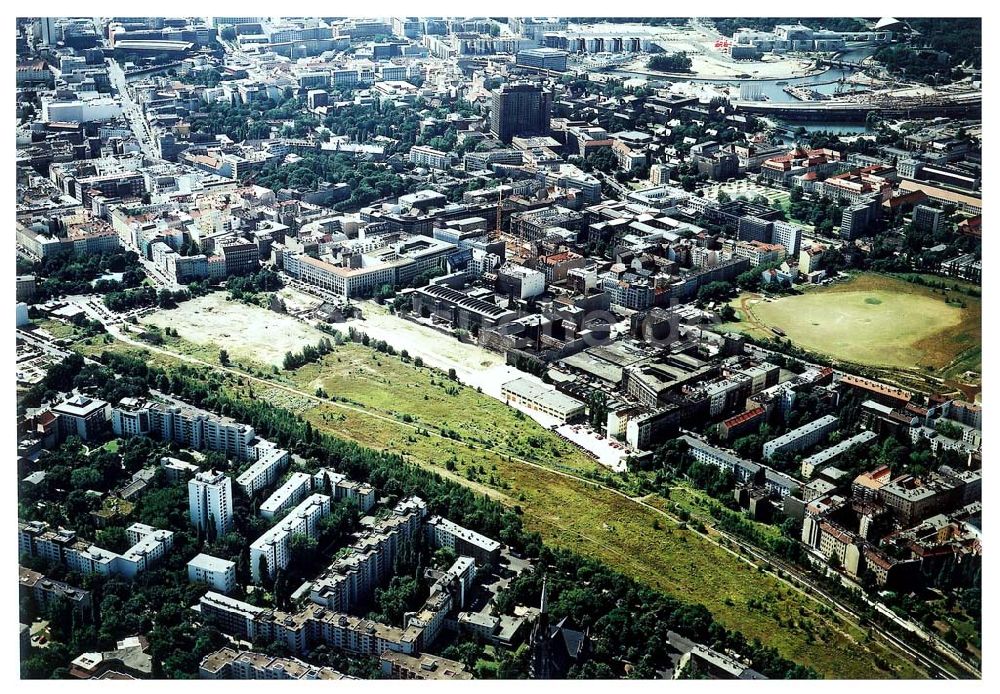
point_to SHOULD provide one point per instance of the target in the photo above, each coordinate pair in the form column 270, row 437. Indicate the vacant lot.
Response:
column 474, row 365
column 872, row 320
column 245, row 331
column 424, row 397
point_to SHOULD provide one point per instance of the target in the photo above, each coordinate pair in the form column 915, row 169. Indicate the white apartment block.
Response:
column 210, row 501
column 362, row 493
column 218, row 574
column 759, row 253
column 352, row 578
column 232, row 616
column 287, row 495
column 421, row 155
column 149, row 545
column 273, row 546
column 177, row 469
column 803, row 437
column 264, row 472
column 188, row 426
column 441, row 532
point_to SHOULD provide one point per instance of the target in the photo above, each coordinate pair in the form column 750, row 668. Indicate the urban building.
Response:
column 441, row 532
column 803, row 437
column 271, row 551
column 543, row 398
column 210, row 502
column 520, row 110
column 287, row 495
column 217, row 574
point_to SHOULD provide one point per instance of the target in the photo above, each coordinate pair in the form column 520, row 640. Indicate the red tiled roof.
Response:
column 743, row 417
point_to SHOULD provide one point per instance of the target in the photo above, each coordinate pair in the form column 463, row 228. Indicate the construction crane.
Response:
column 495, row 236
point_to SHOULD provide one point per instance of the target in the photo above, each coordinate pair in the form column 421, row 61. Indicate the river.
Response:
column 827, row 82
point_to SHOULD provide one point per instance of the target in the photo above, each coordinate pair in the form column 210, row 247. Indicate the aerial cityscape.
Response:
column 477, row 348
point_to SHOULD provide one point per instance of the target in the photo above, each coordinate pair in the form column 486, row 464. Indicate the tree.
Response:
column 224, row 357
column 262, row 572
column 112, row 539
column 675, row 62
column 301, row 547
column 444, row 557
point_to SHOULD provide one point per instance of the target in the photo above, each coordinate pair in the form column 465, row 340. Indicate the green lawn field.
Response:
column 872, row 320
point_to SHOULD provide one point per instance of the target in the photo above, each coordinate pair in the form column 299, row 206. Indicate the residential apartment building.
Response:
column 264, row 472
column 271, row 552
column 743, row 470
column 441, row 532
column 227, row 664
column 313, row 626
column 185, row 425
column 400, row 666
column 45, row 590
column 803, row 437
column 421, row 155
column 218, row 574
column 149, row 545
column 339, row 487
column 210, row 502
column 828, row 455
column 82, row 416
column 758, row 252
column 352, row 578
column 287, row 495
column 912, row 499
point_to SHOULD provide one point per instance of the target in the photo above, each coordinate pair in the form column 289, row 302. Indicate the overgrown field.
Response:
column 382, row 402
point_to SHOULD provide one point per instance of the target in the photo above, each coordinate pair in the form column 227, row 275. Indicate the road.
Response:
column 130, row 109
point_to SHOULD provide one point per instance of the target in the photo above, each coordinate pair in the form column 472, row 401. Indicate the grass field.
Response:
column 873, row 320
column 377, row 392
column 426, row 398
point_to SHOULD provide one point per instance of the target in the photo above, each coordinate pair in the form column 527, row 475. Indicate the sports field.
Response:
column 873, row 320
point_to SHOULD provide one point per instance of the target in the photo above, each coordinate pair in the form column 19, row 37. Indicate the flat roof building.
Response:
column 421, row 666
column 218, row 574
column 442, row 532
column 828, row 455
column 538, row 396
column 803, row 437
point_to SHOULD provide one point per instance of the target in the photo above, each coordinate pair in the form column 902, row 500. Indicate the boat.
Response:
column 781, row 84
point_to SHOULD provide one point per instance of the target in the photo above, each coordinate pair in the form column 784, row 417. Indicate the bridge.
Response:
column 954, row 106
column 842, row 64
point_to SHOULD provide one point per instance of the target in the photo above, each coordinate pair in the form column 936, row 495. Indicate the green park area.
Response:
column 873, row 320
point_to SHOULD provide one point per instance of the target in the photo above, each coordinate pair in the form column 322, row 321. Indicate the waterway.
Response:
column 827, row 82
column 824, row 82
